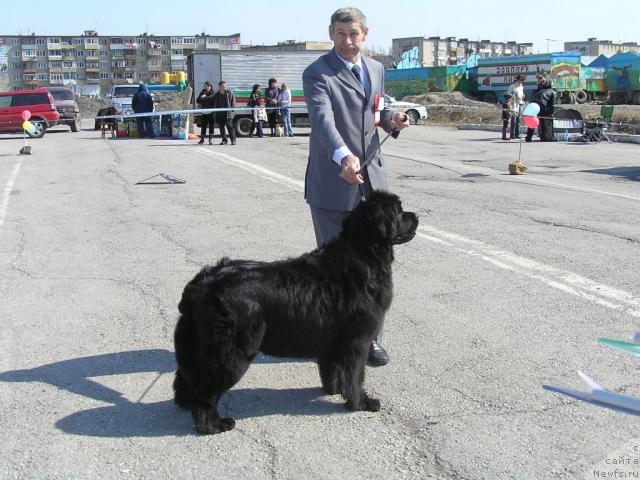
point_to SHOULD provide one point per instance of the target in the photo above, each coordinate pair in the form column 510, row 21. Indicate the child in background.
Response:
column 260, row 116
column 507, row 115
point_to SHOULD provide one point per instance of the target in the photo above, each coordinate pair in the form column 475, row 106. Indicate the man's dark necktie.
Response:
column 357, row 72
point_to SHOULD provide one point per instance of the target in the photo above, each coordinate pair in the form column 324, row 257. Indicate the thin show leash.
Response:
column 393, row 134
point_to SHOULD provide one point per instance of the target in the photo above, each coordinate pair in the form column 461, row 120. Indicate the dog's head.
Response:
column 380, row 220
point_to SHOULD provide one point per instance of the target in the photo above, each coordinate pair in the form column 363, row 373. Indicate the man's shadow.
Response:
column 126, row 418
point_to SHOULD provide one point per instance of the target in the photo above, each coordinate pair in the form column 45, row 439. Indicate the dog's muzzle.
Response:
column 407, row 230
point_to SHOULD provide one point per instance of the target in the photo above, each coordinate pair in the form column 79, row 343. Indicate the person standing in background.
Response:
column 205, row 100
column 272, row 94
column 142, row 102
column 254, row 101
column 285, row 103
column 516, row 90
column 224, row 98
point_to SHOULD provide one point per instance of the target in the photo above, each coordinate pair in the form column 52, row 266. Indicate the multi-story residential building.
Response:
column 436, row 51
column 593, row 47
column 292, row 45
column 91, row 63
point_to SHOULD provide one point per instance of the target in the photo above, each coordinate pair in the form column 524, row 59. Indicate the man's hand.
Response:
column 351, row 170
column 399, row 121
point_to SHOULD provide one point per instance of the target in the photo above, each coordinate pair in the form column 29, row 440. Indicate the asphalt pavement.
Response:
column 507, row 287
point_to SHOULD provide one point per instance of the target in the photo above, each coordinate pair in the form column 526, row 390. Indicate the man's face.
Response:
column 348, row 38
column 223, row 87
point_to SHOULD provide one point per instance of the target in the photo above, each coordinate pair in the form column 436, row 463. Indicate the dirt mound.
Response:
column 164, row 101
column 456, row 108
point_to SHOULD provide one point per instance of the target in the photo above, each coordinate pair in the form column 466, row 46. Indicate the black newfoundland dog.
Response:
column 327, row 304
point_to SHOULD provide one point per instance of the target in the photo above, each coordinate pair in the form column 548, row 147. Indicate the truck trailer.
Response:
column 562, row 70
column 242, row 69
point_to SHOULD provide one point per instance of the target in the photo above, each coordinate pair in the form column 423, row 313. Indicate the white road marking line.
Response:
column 563, row 280
column 4, row 205
column 530, row 178
column 256, row 169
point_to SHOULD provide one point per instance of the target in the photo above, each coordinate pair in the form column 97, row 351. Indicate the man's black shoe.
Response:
column 377, row 355
column 224, row 142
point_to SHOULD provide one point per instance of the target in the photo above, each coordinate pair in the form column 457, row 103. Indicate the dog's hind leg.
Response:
column 351, row 378
column 183, row 395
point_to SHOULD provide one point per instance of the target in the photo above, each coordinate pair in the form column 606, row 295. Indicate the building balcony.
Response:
column 69, row 69
column 117, row 46
column 131, row 57
column 177, row 46
column 156, row 68
column 54, row 46
column 179, row 57
column 91, row 46
column 117, row 69
column 154, row 52
column 92, row 59
column 56, row 81
column 27, row 58
column 93, row 80
column 55, row 57
column 55, row 70
column 130, row 69
column 30, row 83
column 92, row 69
column 69, row 58
column 29, row 46
column 29, row 70
column 68, row 46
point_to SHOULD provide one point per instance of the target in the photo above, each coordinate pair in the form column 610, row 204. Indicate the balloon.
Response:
column 26, row 115
column 29, row 127
column 532, row 110
column 531, row 122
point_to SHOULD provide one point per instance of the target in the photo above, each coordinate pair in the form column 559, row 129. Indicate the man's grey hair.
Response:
column 349, row 14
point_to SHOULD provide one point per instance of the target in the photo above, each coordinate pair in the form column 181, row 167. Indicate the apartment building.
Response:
column 437, row 52
column 292, row 45
column 593, row 47
column 90, row 63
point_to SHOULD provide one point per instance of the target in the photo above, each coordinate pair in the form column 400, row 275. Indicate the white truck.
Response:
column 121, row 96
column 242, row 69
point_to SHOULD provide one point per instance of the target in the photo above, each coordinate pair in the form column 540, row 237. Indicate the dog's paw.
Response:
column 217, row 425
column 330, row 389
column 370, row 404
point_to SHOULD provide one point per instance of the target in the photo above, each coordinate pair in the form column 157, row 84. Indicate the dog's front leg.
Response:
column 352, row 379
column 208, row 421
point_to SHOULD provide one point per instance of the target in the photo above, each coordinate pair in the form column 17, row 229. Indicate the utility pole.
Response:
column 549, row 40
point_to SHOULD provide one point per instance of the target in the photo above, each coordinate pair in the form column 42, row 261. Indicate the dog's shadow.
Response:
column 126, row 418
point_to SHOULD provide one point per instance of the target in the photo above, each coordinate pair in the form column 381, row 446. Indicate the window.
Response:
column 103, row 41
column 165, row 52
column 16, row 66
column 104, row 76
column 79, row 53
column 143, row 74
column 116, row 53
column 41, row 41
column 103, row 53
column 5, row 101
column 41, row 53
column 15, row 53
column 30, row 99
column 68, row 64
column 17, row 76
column 143, row 53
column 129, row 75
column 117, row 75
column 14, row 41
column 55, row 76
column 69, row 75
column 55, row 53
column 188, row 40
column 80, row 64
column 104, row 64
column 42, row 65
column 42, row 76
column 77, row 41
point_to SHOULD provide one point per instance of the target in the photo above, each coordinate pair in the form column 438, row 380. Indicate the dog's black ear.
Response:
column 375, row 220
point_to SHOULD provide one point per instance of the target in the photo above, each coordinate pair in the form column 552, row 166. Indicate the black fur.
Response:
column 327, row 304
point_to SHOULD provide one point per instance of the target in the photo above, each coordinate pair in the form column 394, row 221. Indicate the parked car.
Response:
column 414, row 111
column 67, row 107
column 39, row 102
column 121, row 97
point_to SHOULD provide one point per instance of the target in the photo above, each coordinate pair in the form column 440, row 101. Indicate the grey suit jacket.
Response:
column 341, row 114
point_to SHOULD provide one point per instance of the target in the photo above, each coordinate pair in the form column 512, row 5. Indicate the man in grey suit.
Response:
column 342, row 89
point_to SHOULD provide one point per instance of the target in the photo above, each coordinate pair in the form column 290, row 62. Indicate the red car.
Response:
column 39, row 102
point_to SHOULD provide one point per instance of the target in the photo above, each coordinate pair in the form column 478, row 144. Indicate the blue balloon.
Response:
column 531, row 110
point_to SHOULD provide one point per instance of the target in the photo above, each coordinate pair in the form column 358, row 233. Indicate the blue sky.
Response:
column 269, row 22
